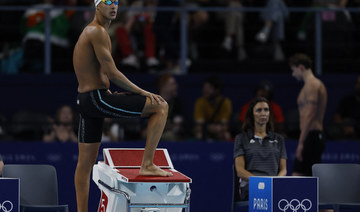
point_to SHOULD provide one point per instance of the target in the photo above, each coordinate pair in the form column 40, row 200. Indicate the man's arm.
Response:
column 309, row 113
column 1, row 165
column 309, row 110
column 101, row 43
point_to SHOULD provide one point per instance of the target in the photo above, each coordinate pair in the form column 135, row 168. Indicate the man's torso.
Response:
column 304, row 102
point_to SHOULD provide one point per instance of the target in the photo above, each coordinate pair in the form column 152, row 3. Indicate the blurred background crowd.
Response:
column 234, row 35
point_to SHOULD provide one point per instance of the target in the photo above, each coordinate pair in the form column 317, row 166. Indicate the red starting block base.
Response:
column 123, row 189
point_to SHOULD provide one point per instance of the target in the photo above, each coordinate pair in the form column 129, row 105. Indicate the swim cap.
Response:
column 96, row 2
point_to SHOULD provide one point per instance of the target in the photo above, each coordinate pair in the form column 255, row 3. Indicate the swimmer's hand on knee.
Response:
column 154, row 98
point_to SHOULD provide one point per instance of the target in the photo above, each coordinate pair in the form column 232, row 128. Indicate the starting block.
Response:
column 124, row 190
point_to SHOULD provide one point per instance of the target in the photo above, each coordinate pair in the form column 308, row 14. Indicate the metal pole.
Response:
column 318, row 43
column 183, row 42
column 47, row 49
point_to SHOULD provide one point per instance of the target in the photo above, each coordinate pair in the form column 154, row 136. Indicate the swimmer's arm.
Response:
column 99, row 40
column 240, row 168
column 309, row 110
column 1, row 166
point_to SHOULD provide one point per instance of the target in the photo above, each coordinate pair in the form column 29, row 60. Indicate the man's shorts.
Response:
column 314, row 145
column 96, row 105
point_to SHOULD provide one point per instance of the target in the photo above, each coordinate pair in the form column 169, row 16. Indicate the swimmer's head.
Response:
column 97, row 2
column 108, row 10
column 107, row 2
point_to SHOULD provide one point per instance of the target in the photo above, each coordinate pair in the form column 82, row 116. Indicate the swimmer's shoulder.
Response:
column 94, row 30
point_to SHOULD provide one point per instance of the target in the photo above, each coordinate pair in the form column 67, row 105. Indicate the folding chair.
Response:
column 236, row 203
column 38, row 187
column 339, row 185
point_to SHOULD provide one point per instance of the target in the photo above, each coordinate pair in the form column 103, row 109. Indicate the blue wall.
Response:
column 208, row 164
column 45, row 93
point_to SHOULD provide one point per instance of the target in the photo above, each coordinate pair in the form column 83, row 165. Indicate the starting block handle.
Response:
column 126, row 195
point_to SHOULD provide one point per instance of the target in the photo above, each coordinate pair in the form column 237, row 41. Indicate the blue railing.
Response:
column 183, row 26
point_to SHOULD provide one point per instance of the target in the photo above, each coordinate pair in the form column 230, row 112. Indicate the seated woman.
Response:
column 258, row 150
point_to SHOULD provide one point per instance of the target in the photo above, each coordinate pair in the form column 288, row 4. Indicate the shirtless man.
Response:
column 312, row 105
column 94, row 69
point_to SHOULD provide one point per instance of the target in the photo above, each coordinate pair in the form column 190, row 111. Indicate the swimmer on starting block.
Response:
column 94, row 69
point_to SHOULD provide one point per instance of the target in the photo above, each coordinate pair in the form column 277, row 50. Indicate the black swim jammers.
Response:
column 96, row 105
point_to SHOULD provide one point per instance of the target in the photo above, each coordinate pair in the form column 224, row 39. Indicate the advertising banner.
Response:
column 283, row 194
column 9, row 195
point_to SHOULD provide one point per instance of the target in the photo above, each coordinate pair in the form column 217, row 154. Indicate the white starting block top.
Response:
column 127, row 162
column 124, row 190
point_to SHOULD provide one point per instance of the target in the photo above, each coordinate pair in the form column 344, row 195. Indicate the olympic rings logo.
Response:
column 6, row 206
column 294, row 205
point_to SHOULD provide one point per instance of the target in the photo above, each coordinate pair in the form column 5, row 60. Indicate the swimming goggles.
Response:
column 108, row 2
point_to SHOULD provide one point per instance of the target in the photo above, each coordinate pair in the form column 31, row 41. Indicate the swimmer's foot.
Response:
column 153, row 170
